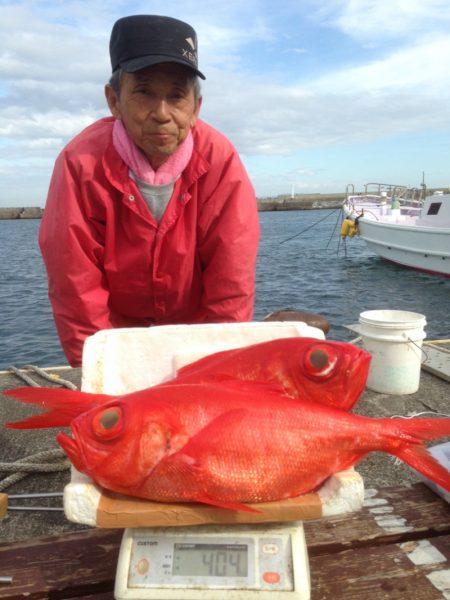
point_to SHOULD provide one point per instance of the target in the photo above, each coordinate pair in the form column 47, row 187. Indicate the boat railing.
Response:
column 386, row 192
column 349, row 190
column 409, row 200
column 378, row 188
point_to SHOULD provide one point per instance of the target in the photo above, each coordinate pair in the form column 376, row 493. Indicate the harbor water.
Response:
column 302, row 264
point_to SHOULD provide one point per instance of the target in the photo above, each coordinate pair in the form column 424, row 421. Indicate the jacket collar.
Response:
column 116, row 170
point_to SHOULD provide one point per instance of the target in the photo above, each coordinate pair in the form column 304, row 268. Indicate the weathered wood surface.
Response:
column 397, row 547
column 392, row 514
column 378, row 572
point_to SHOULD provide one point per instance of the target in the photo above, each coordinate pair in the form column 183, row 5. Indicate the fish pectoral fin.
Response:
column 189, row 470
column 235, row 506
column 184, row 467
column 214, row 434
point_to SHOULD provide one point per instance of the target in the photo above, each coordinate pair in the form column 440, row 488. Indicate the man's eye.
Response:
column 177, row 97
column 142, row 90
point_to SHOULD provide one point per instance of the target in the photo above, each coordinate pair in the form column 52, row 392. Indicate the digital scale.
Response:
column 210, row 562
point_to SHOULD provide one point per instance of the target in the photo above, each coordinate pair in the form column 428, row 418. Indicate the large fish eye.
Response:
column 107, row 423
column 320, row 361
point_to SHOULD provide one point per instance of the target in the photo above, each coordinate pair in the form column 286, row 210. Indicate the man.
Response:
column 150, row 217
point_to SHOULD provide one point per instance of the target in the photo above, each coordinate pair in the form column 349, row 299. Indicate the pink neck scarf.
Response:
column 138, row 163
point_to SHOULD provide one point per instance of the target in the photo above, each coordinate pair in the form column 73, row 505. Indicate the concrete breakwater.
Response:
column 298, row 202
column 21, row 212
column 301, row 202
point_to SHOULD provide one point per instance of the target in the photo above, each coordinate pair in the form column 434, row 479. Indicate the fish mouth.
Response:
column 72, row 449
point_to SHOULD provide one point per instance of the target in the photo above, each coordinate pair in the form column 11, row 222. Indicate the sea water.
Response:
column 302, row 264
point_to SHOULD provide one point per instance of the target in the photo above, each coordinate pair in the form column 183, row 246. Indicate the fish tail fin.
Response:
column 409, row 447
column 61, row 406
column 423, row 462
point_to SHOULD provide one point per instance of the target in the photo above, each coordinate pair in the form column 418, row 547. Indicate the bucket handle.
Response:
column 425, row 355
column 419, row 348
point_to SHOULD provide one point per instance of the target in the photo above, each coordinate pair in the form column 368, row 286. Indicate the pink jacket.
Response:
column 110, row 264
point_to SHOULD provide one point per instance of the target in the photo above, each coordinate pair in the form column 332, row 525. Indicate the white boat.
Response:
column 402, row 225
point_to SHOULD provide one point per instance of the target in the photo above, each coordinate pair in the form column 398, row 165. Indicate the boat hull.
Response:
column 423, row 248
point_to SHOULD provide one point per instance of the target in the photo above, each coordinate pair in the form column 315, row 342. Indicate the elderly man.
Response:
column 150, row 217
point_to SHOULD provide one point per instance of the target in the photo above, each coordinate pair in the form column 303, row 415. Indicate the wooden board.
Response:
column 396, row 548
column 119, row 511
column 3, row 505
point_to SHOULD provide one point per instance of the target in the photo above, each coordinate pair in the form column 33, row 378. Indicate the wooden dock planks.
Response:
column 397, row 547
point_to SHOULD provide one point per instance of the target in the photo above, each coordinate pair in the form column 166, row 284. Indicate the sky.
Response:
column 314, row 94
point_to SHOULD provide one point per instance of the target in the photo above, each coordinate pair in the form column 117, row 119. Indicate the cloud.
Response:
column 400, row 93
column 376, row 20
column 54, row 63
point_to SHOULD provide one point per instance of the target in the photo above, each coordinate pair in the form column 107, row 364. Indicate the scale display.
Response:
column 213, row 562
column 210, row 560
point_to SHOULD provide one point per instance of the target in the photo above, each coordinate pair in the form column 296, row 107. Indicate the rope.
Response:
column 310, row 227
column 42, row 462
column 23, row 376
column 413, row 415
column 333, row 233
column 27, row 465
column 49, row 377
column 33, row 467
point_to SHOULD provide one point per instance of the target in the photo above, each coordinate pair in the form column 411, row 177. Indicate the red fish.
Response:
column 227, row 445
column 328, row 372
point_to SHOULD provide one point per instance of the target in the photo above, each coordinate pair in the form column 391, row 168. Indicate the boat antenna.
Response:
column 423, row 184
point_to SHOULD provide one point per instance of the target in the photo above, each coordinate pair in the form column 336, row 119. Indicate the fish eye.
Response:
column 320, row 361
column 107, row 423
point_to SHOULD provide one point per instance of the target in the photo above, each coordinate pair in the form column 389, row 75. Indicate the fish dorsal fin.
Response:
column 197, row 367
column 62, row 405
column 247, row 386
column 262, row 387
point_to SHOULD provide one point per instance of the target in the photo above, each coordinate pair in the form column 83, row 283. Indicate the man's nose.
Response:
column 160, row 110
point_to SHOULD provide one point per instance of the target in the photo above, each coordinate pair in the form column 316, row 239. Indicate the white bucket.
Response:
column 394, row 339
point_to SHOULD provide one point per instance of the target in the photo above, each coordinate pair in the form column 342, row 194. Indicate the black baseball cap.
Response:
column 140, row 41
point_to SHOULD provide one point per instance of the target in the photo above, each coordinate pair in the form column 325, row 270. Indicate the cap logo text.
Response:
column 191, row 42
column 191, row 56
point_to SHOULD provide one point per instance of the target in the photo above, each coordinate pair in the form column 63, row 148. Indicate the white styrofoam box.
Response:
column 119, row 361
column 341, row 493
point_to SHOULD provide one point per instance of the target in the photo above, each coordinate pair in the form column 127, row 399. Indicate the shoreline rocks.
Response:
column 301, row 202
column 307, row 202
column 21, row 212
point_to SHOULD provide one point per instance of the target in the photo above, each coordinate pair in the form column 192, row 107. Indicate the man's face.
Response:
column 157, row 107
